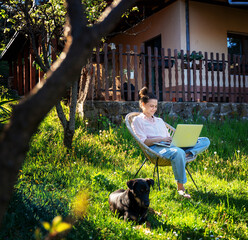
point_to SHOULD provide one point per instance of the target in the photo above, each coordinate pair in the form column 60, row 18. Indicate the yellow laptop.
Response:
column 186, row 135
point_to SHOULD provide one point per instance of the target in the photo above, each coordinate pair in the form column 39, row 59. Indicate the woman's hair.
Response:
column 145, row 96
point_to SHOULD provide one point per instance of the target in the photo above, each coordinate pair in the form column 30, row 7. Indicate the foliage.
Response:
column 103, row 159
column 192, row 56
column 7, row 99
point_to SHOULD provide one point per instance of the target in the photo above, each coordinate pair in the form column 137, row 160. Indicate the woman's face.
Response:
column 150, row 108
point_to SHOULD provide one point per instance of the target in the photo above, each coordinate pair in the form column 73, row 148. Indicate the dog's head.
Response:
column 140, row 188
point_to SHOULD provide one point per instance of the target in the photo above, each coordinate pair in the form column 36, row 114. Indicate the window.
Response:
column 237, row 44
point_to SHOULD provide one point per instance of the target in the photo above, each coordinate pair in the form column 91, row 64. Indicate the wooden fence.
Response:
column 172, row 76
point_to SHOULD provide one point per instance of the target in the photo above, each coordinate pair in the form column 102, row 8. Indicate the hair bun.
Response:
column 143, row 92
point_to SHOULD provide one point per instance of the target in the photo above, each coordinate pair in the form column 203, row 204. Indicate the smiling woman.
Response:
column 151, row 130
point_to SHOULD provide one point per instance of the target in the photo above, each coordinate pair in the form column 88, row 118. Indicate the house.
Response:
column 217, row 28
column 184, row 50
column 207, row 26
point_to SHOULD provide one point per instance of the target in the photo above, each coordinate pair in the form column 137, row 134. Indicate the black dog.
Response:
column 133, row 202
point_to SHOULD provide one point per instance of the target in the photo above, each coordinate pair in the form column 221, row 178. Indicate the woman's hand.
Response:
column 151, row 141
column 167, row 139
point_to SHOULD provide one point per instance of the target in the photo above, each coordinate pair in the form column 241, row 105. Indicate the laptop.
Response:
column 186, row 135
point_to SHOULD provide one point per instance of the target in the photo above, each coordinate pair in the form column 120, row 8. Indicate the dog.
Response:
column 132, row 203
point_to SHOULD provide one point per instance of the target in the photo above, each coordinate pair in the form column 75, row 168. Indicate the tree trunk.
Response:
column 28, row 114
column 87, row 75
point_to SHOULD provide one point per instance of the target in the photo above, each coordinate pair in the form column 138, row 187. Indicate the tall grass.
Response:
column 103, row 159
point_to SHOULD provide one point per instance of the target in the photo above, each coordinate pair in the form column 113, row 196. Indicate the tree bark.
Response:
column 26, row 117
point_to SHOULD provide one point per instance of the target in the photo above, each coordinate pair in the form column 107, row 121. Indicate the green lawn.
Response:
column 103, row 160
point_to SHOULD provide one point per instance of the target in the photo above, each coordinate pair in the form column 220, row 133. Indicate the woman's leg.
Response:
column 201, row 145
column 178, row 161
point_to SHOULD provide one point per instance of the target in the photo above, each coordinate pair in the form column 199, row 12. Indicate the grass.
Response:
column 104, row 159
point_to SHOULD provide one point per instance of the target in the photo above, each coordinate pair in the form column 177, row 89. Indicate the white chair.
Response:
column 154, row 157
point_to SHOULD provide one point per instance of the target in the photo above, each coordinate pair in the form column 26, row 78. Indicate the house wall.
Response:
column 167, row 22
column 209, row 25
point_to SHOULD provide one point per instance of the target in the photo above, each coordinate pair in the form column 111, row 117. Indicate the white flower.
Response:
column 238, row 151
column 215, row 153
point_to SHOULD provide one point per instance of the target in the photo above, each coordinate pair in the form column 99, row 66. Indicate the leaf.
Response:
column 57, row 220
column 61, row 227
column 46, row 225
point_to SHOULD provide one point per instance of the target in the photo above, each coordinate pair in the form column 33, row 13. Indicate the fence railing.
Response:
column 118, row 74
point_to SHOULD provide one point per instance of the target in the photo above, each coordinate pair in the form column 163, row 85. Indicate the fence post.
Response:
column 135, row 73
column 121, row 69
column 156, row 71
column 176, row 74
column 234, row 78
column 182, row 75
column 229, row 77
column 163, row 75
column 224, row 77
column 98, row 72
column 143, row 65
column 194, row 79
column 169, row 74
column 149, row 69
column 243, row 70
column 218, row 77
column 188, row 76
column 212, row 75
column 239, row 79
column 200, row 77
column 128, row 74
column 106, row 71
column 206, row 76
column 113, row 74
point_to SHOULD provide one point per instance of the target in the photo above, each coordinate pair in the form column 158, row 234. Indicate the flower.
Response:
column 215, row 153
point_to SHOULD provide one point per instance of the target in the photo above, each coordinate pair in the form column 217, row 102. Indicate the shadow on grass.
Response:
column 24, row 216
column 215, row 198
column 155, row 221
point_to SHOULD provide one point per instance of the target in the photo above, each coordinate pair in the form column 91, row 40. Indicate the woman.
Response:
column 151, row 129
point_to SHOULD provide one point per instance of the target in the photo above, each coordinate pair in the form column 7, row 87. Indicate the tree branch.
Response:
column 61, row 115
column 73, row 105
column 107, row 20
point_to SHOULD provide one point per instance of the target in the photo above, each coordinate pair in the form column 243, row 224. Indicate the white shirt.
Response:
column 145, row 128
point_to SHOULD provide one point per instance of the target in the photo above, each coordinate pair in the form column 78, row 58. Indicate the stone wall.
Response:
column 116, row 111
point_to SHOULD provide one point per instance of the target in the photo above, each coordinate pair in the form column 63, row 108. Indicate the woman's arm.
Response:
column 151, row 141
